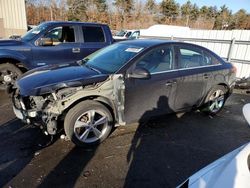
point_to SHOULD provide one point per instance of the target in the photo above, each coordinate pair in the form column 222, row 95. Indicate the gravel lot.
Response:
column 161, row 153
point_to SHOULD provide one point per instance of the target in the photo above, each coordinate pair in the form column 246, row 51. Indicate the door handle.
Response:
column 206, row 76
column 170, row 83
column 76, row 50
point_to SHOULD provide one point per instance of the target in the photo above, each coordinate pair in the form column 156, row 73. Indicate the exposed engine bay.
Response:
column 45, row 110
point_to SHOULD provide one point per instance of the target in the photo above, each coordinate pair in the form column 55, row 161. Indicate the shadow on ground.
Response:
column 162, row 152
column 18, row 146
column 167, row 150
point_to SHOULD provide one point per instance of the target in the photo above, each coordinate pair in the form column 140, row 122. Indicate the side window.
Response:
column 157, row 60
column 135, row 35
column 55, row 34
column 209, row 59
column 61, row 35
column 190, row 57
column 93, row 34
column 128, row 34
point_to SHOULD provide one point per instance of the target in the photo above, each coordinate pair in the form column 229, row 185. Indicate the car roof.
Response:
column 71, row 22
column 155, row 42
column 131, row 30
column 147, row 42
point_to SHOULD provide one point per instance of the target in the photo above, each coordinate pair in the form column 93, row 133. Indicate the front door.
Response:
column 64, row 49
column 155, row 96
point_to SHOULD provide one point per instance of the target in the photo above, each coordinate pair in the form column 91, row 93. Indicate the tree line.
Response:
column 132, row 14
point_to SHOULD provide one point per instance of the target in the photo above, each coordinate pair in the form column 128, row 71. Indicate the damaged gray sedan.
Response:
column 120, row 84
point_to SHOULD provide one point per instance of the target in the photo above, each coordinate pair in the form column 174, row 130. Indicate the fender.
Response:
column 11, row 54
column 115, row 111
column 111, row 92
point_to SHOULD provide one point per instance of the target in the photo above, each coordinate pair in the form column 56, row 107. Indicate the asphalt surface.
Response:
column 160, row 153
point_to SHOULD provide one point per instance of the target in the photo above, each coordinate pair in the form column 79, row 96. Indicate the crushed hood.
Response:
column 50, row 78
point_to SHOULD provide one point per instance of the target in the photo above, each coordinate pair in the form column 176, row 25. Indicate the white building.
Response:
column 12, row 18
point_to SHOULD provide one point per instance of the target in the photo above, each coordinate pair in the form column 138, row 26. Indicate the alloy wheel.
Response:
column 91, row 126
column 217, row 100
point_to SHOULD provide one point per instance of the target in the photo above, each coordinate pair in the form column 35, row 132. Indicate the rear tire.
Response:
column 88, row 123
column 215, row 100
column 9, row 73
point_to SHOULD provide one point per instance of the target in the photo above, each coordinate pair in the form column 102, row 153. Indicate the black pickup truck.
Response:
column 50, row 43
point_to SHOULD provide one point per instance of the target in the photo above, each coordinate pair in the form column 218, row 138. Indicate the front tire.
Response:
column 88, row 123
column 215, row 100
column 9, row 73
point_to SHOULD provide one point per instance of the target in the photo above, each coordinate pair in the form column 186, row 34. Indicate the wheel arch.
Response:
column 204, row 99
column 205, row 103
column 109, row 104
column 15, row 61
column 226, row 86
column 101, row 99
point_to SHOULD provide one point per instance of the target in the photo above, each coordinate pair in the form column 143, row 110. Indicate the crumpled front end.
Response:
column 45, row 110
column 35, row 110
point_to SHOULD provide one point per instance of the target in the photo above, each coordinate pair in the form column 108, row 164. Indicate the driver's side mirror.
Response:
column 140, row 73
column 45, row 42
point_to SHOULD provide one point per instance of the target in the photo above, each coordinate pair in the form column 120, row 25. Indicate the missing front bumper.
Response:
column 18, row 113
column 24, row 115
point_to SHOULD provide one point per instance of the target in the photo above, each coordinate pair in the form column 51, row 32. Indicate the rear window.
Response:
column 93, row 34
column 190, row 58
column 210, row 59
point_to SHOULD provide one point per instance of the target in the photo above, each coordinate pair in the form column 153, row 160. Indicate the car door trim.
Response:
column 184, row 69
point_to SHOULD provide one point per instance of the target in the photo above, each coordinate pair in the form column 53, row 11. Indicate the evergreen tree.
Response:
column 194, row 14
column 204, row 12
column 223, row 18
column 169, row 9
column 186, row 11
column 212, row 12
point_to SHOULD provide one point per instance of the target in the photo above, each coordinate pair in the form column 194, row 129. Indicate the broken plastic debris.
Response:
column 243, row 100
column 86, row 174
column 110, row 156
column 37, row 153
column 62, row 136
column 211, row 117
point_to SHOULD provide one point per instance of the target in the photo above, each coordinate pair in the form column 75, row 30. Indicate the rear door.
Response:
column 65, row 47
column 93, row 39
column 155, row 96
column 192, row 84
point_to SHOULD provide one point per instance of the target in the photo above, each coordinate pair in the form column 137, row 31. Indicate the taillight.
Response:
column 233, row 69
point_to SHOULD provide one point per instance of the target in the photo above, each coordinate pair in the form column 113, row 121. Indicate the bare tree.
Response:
column 121, row 14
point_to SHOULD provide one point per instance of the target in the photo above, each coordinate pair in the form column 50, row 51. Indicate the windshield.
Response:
column 121, row 33
column 110, row 59
column 34, row 32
